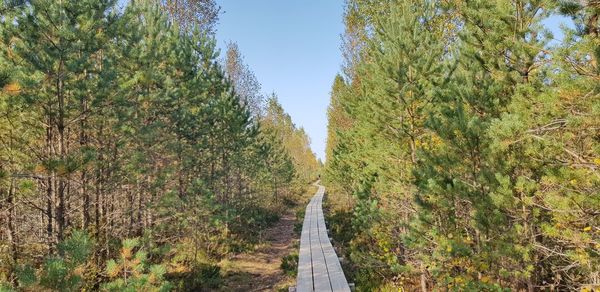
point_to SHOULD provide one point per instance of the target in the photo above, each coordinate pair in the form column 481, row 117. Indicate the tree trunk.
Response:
column 140, row 210
column 131, row 211
column 423, row 279
column 12, row 232
column 84, row 177
column 99, row 185
column 49, row 187
column 60, row 211
column 181, row 178
column 592, row 30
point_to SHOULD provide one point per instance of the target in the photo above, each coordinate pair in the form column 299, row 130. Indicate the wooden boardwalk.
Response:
column 319, row 268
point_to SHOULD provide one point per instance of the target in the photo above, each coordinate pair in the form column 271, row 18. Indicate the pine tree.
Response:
column 547, row 147
column 461, row 134
column 131, row 272
column 476, row 236
column 295, row 141
column 68, row 40
column 124, row 124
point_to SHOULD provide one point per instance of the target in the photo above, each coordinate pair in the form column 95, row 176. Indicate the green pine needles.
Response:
column 124, row 123
column 466, row 145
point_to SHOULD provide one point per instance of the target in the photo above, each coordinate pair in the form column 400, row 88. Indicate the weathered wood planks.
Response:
column 319, row 268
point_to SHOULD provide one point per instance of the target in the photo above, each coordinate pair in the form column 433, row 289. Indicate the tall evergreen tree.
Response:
column 454, row 144
column 123, row 124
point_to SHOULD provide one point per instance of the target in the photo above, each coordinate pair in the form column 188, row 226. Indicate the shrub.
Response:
column 131, row 272
column 289, row 264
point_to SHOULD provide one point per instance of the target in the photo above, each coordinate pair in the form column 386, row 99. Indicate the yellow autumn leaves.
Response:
column 429, row 142
column 12, row 88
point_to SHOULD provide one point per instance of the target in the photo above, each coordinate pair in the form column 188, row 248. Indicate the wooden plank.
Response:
column 337, row 279
column 320, row 274
column 304, row 280
column 334, row 268
column 319, row 268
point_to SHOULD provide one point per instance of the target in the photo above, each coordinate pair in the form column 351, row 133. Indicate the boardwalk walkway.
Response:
column 319, row 268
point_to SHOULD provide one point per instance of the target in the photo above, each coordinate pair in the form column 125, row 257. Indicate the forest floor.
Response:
column 260, row 269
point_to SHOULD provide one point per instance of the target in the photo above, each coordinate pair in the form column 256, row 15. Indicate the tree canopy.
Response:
column 130, row 157
column 463, row 145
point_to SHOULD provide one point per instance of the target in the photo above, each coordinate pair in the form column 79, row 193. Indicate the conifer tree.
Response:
column 295, row 141
column 124, row 124
column 467, row 135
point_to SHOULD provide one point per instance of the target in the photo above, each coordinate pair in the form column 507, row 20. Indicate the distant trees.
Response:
column 193, row 14
column 123, row 141
column 294, row 139
column 243, row 79
column 469, row 144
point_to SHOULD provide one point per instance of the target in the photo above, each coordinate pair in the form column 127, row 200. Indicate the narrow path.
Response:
column 260, row 270
column 319, row 268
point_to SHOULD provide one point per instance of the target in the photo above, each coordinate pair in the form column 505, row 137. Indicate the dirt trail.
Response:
column 260, row 270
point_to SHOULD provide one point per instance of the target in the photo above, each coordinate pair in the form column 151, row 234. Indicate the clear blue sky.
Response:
column 293, row 47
